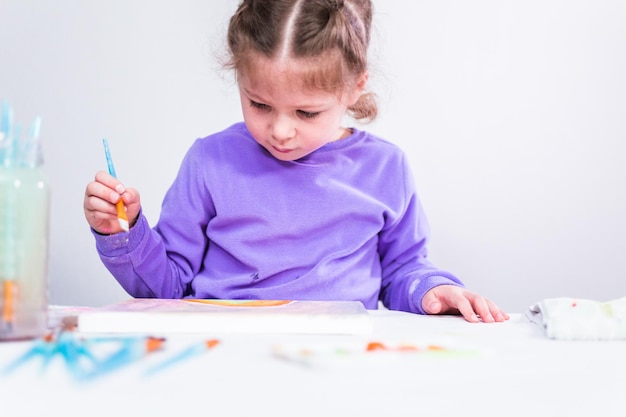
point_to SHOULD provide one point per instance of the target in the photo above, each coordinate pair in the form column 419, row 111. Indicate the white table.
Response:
column 501, row 369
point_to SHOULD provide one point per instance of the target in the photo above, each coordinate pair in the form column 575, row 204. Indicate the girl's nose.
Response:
column 283, row 129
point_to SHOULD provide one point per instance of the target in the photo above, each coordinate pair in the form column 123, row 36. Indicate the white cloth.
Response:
column 579, row 319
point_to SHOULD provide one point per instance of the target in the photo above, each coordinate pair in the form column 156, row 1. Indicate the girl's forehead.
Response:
column 268, row 82
column 264, row 70
column 275, row 91
column 312, row 75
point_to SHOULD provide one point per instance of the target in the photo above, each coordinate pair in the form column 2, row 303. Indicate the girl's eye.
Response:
column 259, row 106
column 307, row 114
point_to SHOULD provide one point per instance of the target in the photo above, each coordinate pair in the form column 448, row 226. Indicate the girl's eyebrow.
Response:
column 251, row 95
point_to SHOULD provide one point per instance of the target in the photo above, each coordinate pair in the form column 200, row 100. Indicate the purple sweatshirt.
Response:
column 342, row 223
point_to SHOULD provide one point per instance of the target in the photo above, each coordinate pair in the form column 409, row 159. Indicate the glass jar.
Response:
column 24, row 236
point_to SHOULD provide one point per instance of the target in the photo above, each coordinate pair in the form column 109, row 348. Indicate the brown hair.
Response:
column 332, row 35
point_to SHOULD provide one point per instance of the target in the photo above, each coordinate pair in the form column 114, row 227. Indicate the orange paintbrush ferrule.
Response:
column 122, row 218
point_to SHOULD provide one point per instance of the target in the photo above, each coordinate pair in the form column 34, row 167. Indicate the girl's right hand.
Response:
column 99, row 204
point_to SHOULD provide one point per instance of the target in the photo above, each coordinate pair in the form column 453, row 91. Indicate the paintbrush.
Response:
column 121, row 211
column 132, row 350
column 191, row 351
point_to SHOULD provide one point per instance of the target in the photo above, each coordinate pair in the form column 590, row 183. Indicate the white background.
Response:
column 512, row 113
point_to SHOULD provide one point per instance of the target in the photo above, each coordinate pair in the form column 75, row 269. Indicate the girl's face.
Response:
column 285, row 118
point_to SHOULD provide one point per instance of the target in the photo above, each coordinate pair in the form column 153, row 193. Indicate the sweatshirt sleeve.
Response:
column 407, row 273
column 162, row 261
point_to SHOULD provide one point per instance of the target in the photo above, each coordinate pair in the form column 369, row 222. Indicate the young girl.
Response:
column 288, row 204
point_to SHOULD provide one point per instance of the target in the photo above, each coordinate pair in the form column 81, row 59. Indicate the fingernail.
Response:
column 120, row 189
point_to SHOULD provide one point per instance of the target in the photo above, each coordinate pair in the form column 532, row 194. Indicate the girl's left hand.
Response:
column 450, row 299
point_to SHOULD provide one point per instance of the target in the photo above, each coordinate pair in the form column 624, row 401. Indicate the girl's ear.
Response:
column 359, row 88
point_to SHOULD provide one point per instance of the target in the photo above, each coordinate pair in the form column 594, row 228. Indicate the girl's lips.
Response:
column 281, row 150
